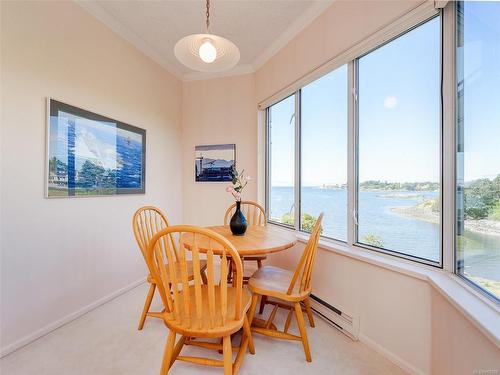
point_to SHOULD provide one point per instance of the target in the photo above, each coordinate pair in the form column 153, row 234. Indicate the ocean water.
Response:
column 129, row 157
column 396, row 232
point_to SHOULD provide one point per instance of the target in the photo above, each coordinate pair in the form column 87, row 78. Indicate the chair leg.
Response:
column 168, row 353
column 263, row 301
column 228, row 355
column 307, row 303
column 302, row 329
column 177, row 349
column 248, row 333
column 203, row 275
column 235, row 274
column 259, row 263
column 253, row 307
column 230, row 272
column 147, row 304
column 288, row 321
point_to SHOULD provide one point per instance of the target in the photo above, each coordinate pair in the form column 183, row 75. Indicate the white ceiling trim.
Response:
column 236, row 71
column 290, row 32
column 124, row 32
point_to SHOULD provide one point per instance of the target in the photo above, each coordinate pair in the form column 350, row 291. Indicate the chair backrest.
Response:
column 303, row 272
column 254, row 213
column 147, row 221
column 207, row 305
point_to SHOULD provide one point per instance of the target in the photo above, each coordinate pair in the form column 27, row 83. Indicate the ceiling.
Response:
column 258, row 27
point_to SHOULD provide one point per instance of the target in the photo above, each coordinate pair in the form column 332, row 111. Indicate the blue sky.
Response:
column 481, row 67
column 399, row 123
column 399, row 113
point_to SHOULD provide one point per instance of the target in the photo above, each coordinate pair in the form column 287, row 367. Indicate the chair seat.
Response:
column 274, row 281
column 202, row 327
column 189, row 264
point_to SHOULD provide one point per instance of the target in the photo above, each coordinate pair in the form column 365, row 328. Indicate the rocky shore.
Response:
column 425, row 213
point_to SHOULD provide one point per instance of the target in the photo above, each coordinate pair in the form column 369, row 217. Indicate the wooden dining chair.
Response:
column 146, row 222
column 214, row 309
column 255, row 215
column 287, row 290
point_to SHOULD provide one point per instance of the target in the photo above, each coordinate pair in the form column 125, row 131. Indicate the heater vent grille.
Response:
column 345, row 322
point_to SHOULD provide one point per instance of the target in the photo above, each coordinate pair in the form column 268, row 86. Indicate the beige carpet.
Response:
column 106, row 341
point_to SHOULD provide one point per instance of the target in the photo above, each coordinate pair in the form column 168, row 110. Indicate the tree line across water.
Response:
column 407, row 186
column 481, row 196
column 482, row 199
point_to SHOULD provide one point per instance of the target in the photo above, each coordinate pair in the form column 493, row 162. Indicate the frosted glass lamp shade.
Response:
column 207, row 53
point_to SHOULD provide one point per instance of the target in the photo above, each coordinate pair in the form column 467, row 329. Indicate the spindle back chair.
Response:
column 146, row 222
column 305, row 267
column 288, row 290
column 213, row 309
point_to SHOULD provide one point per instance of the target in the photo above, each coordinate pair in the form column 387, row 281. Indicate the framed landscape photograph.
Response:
column 213, row 163
column 92, row 155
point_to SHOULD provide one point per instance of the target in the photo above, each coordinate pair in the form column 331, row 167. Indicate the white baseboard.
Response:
column 398, row 361
column 68, row 318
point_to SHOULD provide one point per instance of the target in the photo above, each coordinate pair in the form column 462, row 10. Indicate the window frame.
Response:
column 298, row 159
column 352, row 158
column 452, row 10
column 268, row 164
column 357, row 243
column 448, row 144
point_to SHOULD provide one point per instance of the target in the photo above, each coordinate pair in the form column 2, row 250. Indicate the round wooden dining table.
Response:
column 257, row 240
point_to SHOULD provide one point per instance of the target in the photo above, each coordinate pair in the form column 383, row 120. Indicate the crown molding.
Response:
column 236, row 71
column 291, row 32
column 94, row 9
column 110, row 21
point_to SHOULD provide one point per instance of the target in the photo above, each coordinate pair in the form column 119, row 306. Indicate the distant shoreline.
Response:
column 483, row 226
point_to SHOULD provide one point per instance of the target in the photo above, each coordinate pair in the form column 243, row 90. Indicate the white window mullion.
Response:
column 351, row 157
column 448, row 215
column 267, row 163
column 297, row 162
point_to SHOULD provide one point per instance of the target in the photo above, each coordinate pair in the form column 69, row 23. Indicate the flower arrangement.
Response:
column 238, row 183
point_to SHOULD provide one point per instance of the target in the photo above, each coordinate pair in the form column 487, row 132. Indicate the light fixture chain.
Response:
column 208, row 15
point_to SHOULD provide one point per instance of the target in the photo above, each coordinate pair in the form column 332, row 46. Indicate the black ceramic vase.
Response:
column 238, row 223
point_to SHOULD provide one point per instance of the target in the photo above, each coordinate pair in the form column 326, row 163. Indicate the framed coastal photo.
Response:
column 92, row 155
column 213, row 163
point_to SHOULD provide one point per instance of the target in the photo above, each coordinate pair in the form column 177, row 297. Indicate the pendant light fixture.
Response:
column 207, row 52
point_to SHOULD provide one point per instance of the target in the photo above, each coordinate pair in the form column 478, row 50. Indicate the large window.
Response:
column 399, row 144
column 400, row 147
column 281, row 173
column 478, row 144
column 324, row 154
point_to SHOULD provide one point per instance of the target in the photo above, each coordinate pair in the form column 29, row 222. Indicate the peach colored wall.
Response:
column 217, row 111
column 457, row 346
column 340, row 27
column 60, row 255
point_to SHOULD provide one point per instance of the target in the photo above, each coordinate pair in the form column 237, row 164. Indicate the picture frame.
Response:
column 214, row 163
column 88, row 154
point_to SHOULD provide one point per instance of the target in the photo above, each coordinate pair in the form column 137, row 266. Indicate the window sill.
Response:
column 478, row 309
